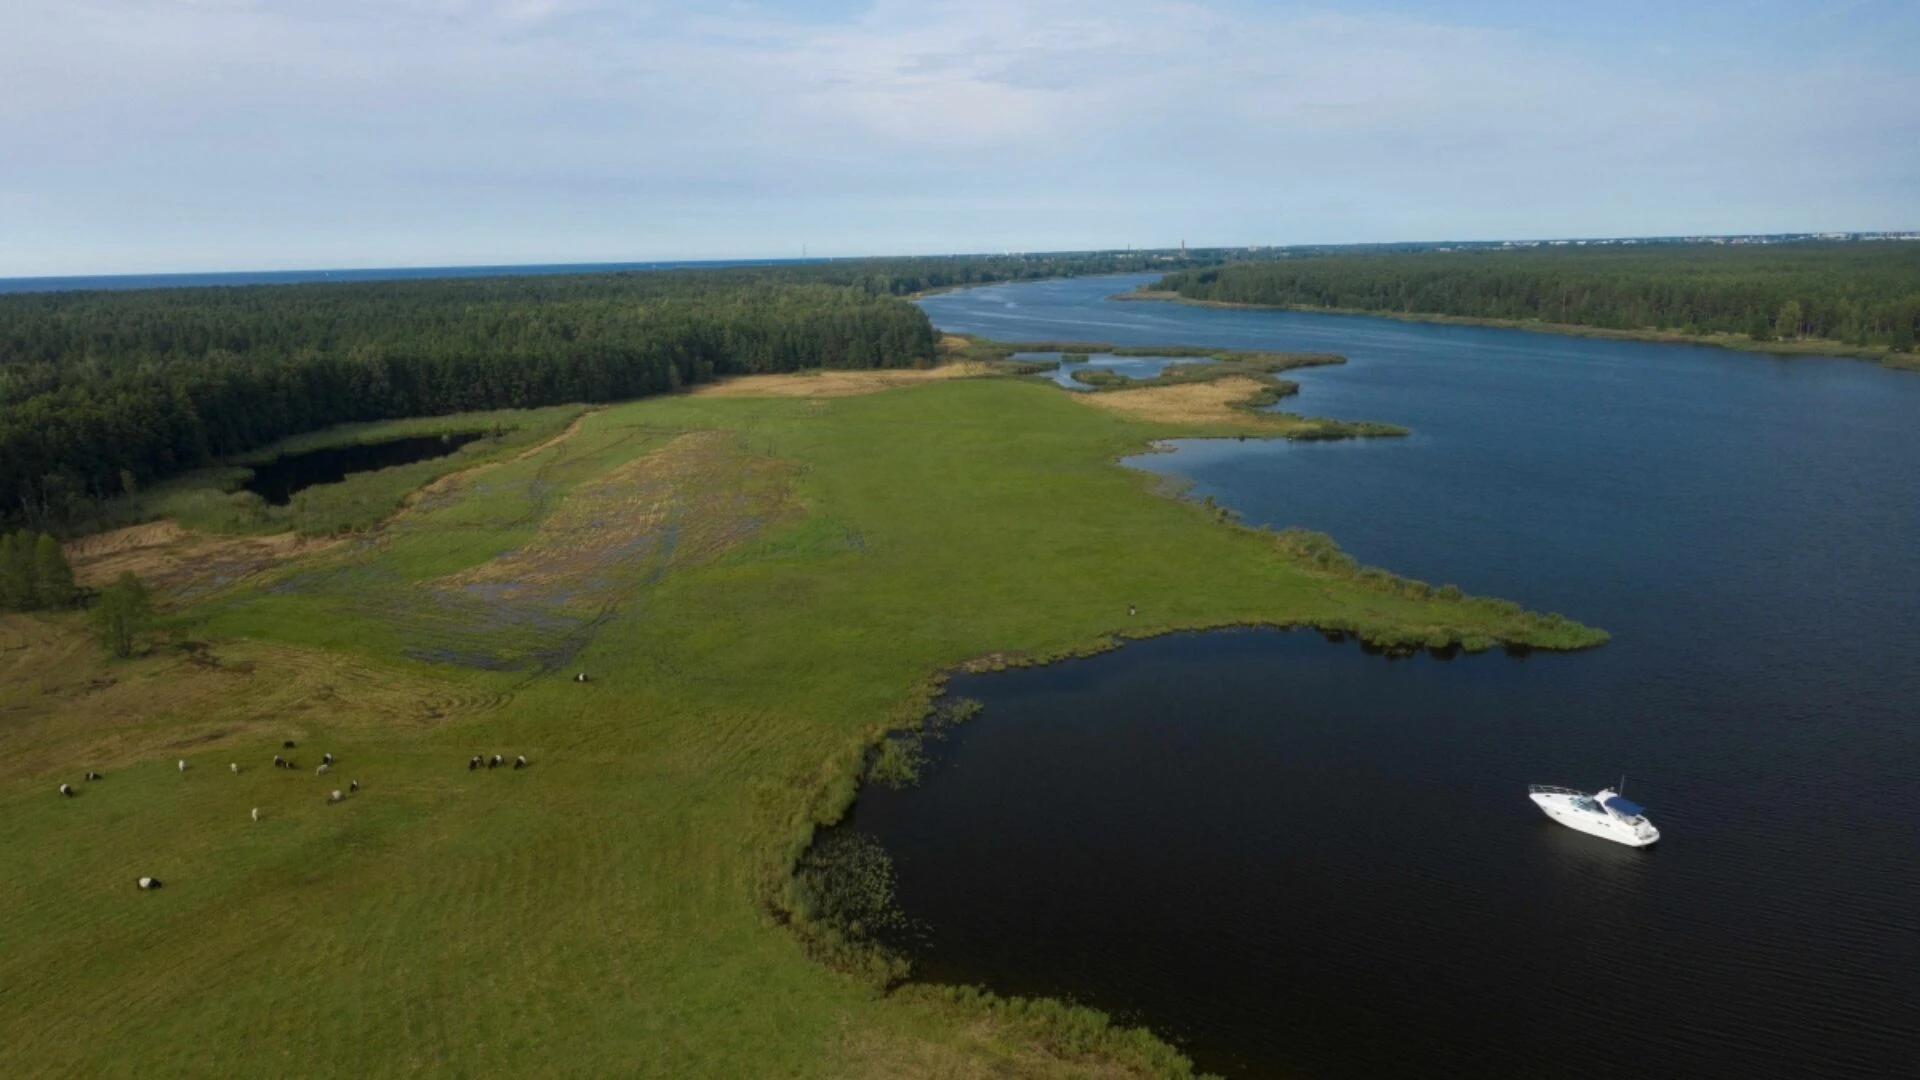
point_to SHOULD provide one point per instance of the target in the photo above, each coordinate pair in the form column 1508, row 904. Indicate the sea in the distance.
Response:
column 1297, row 859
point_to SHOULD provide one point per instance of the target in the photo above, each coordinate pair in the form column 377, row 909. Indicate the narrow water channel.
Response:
column 1298, row 859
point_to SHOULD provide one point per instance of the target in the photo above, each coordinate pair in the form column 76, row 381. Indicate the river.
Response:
column 1294, row 858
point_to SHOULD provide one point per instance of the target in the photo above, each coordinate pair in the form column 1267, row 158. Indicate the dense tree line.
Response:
column 1854, row 293
column 909, row 275
column 101, row 392
column 34, row 573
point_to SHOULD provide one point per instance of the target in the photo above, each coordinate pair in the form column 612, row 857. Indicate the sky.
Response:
column 151, row 136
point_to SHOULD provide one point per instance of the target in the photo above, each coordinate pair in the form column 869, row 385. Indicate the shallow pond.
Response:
column 276, row 481
column 1133, row 367
column 1293, row 857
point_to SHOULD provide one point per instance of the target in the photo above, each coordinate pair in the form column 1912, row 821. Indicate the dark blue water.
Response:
column 1296, row 858
column 391, row 273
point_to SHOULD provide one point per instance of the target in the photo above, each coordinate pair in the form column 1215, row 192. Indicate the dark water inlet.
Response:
column 1297, row 859
column 277, row 480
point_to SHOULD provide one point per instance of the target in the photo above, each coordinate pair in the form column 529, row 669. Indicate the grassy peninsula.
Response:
column 1850, row 299
column 761, row 581
column 1234, row 387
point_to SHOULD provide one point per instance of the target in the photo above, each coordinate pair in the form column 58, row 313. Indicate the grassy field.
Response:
column 210, row 500
column 759, row 587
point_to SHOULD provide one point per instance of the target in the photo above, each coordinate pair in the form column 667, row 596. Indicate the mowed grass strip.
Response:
column 599, row 913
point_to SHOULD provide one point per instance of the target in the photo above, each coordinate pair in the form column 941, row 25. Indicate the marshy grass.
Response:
column 212, row 500
column 644, row 901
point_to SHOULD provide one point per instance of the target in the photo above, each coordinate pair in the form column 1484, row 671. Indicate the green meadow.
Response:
column 759, row 589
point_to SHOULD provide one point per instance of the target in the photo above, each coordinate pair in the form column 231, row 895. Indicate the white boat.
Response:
column 1605, row 813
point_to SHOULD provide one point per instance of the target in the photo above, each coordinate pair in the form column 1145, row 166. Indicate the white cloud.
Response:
column 179, row 131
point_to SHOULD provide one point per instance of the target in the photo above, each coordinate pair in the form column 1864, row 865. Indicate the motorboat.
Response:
column 1605, row 813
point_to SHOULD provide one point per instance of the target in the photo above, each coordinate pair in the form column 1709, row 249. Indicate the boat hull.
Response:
column 1562, row 809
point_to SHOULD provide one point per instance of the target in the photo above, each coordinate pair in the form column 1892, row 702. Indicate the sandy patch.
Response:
column 180, row 564
column 1189, row 403
column 836, row 383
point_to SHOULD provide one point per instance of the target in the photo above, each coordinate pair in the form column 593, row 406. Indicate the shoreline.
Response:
column 1884, row 357
column 1503, row 624
column 820, row 594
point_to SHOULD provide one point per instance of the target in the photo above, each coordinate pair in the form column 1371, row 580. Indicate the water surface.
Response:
column 1133, row 367
column 276, row 481
column 1296, row 858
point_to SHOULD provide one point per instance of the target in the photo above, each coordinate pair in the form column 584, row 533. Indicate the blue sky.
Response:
column 185, row 135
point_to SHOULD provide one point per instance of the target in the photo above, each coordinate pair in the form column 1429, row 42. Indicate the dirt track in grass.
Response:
column 685, row 503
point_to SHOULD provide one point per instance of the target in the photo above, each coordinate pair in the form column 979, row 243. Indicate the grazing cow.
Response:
column 93, row 776
column 1131, row 610
column 67, row 790
column 473, row 762
column 326, row 759
column 279, row 762
column 235, row 766
column 256, row 813
column 520, row 762
column 149, row 882
column 288, row 745
column 353, row 785
column 582, row 677
column 336, row 796
column 323, row 770
column 183, row 764
column 495, row 761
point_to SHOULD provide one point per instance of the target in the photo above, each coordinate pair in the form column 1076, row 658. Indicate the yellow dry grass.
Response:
column 178, row 563
column 684, row 503
column 67, row 707
column 1212, row 402
column 836, row 383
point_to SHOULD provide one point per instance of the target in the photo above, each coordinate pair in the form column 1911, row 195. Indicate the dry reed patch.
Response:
column 836, row 383
column 684, row 503
column 1214, row 402
column 180, row 564
column 64, row 706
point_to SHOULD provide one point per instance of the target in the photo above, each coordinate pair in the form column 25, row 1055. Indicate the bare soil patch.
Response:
column 182, row 565
column 836, row 383
column 1215, row 402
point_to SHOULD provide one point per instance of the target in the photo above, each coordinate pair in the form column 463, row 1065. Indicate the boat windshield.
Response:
column 1626, row 808
column 1587, row 804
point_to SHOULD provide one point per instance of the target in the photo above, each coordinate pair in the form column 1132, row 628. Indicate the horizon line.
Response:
column 71, row 282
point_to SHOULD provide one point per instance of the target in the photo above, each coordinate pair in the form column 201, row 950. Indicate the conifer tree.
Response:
column 122, row 614
column 52, row 574
column 17, row 592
